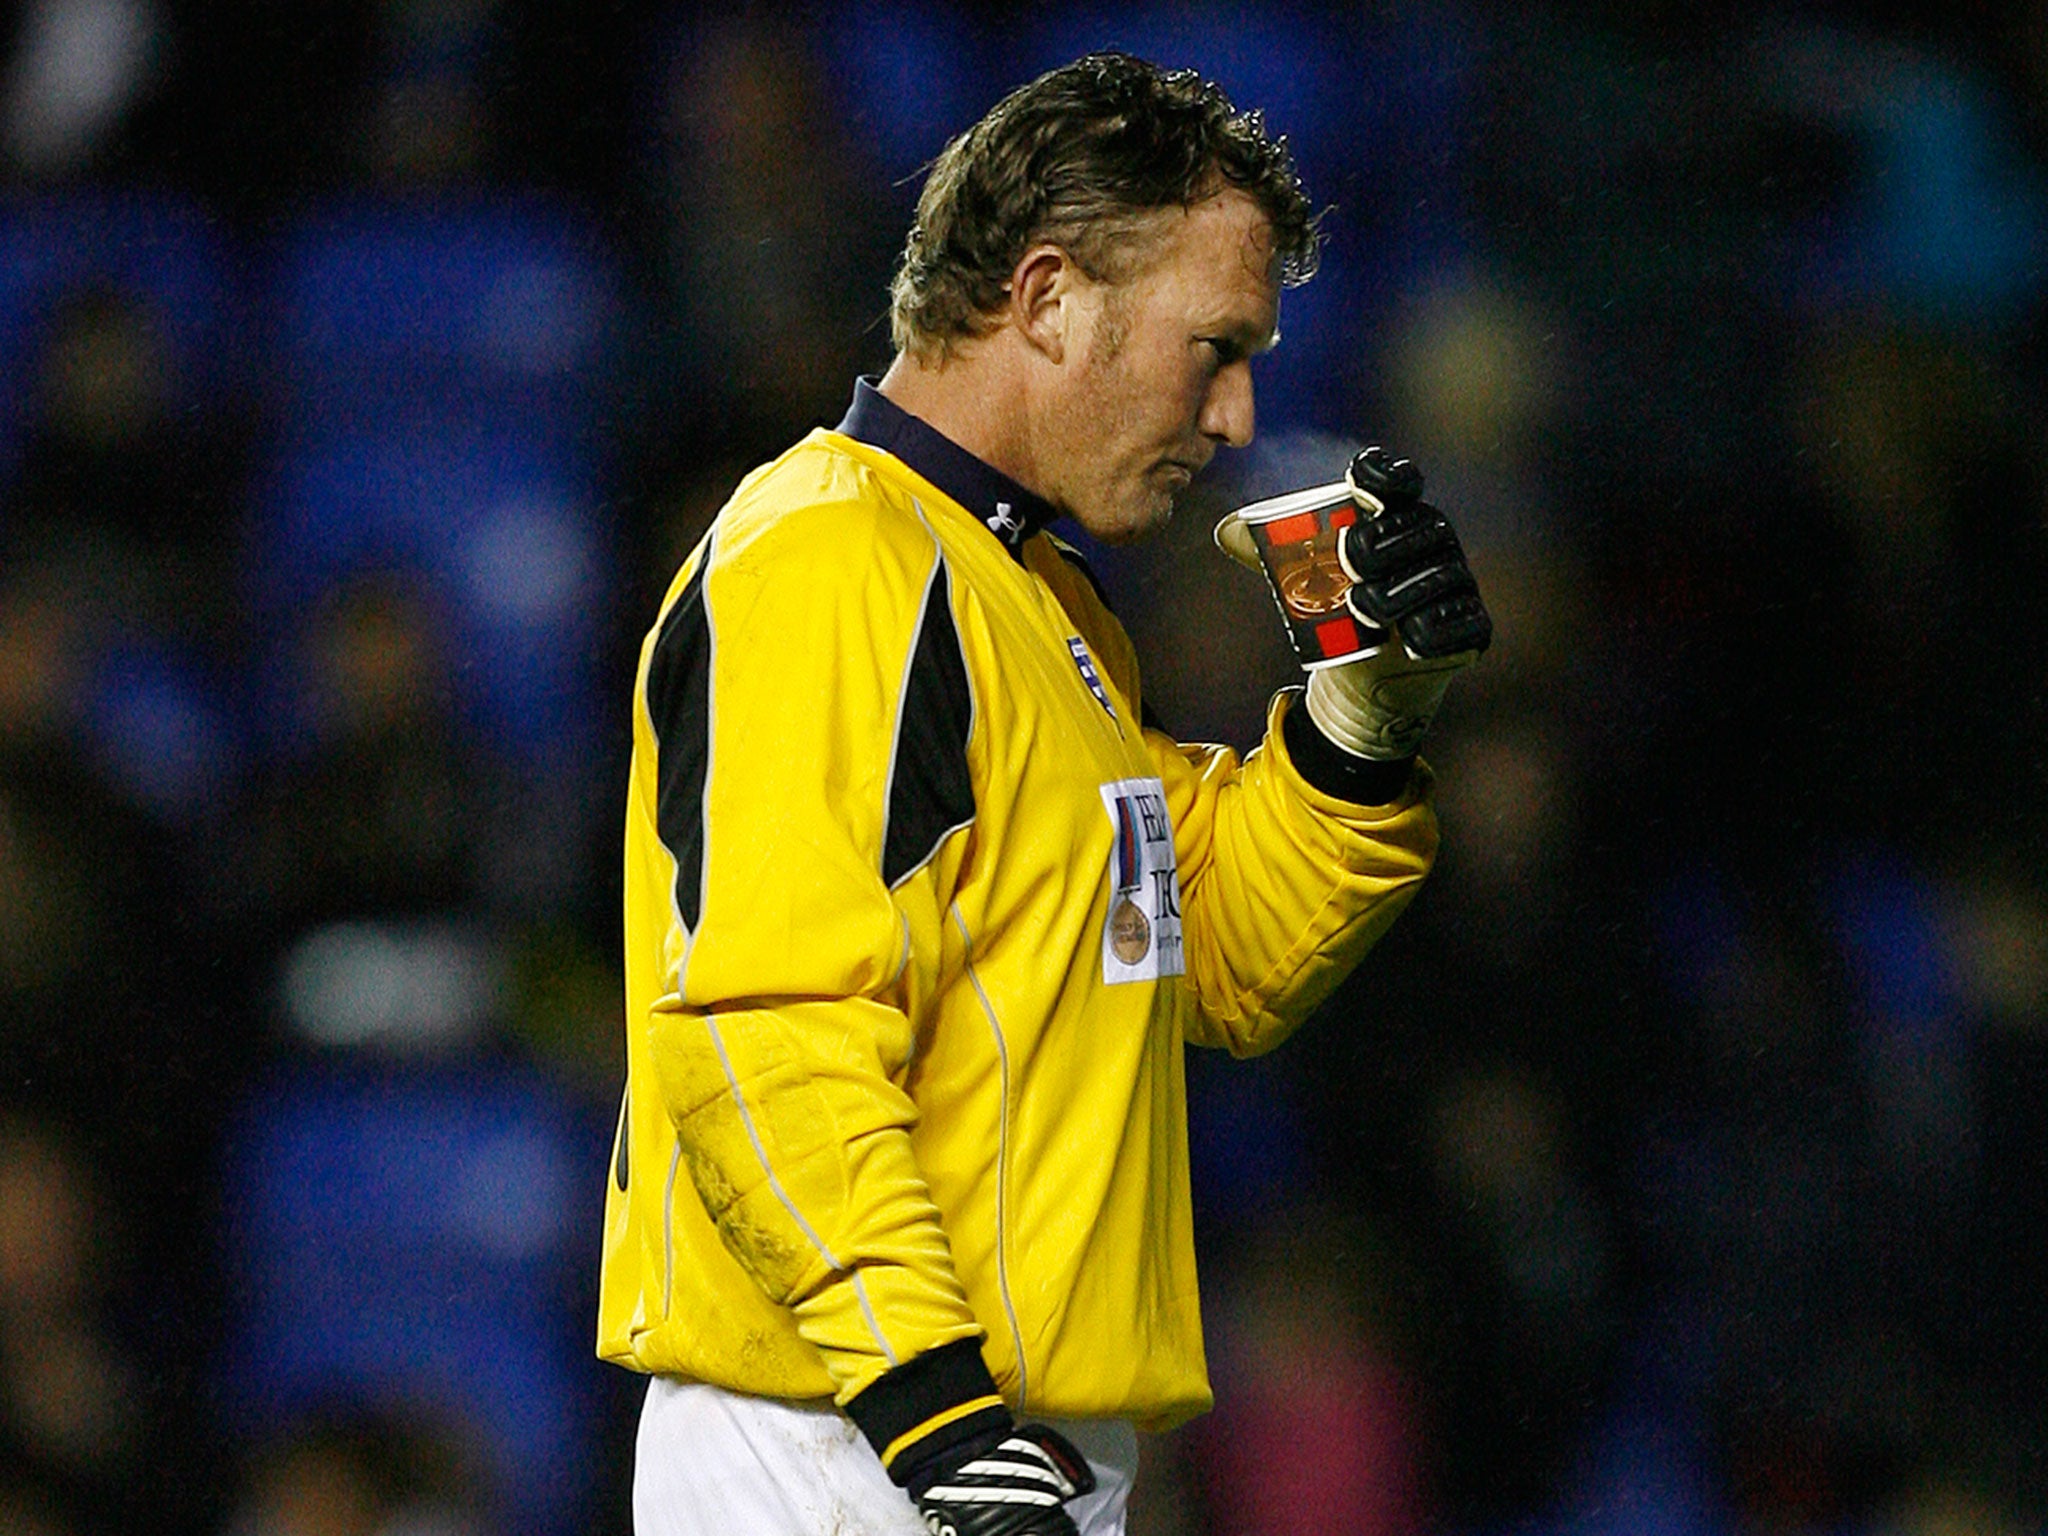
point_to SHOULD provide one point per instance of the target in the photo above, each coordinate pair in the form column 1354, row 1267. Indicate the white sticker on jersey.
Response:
column 1141, row 936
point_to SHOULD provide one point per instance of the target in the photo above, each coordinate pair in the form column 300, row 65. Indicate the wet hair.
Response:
column 1083, row 157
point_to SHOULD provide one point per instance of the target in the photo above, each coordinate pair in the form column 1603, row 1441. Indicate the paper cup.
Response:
column 1296, row 537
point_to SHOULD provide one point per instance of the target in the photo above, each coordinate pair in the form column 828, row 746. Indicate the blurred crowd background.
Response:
column 1675, row 1166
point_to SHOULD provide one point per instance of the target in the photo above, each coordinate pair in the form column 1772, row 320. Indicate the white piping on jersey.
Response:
column 761, row 1154
column 1002, row 1163
column 668, row 1232
column 867, row 1310
column 902, row 964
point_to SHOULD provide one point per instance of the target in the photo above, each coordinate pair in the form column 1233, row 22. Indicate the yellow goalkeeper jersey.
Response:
column 918, row 919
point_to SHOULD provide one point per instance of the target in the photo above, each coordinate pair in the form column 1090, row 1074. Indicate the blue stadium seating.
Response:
column 435, row 372
column 413, row 1240
column 163, row 252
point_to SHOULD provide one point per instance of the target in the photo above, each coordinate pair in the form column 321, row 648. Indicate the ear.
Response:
column 1042, row 293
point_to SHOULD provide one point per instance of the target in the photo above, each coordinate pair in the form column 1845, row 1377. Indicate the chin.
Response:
column 1140, row 524
column 1124, row 524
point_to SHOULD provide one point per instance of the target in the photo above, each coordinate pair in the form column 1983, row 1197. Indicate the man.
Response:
column 920, row 914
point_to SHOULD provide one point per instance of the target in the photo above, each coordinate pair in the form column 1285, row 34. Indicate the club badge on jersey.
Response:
column 1141, row 937
column 1089, row 675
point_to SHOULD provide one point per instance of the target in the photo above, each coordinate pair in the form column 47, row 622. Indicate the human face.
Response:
column 1161, row 375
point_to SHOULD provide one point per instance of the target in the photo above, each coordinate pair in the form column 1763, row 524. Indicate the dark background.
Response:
column 365, row 370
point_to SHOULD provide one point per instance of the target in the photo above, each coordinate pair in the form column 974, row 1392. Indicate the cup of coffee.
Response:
column 1296, row 537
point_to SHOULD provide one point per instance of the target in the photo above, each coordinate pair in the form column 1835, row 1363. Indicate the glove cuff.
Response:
column 927, row 1405
column 1378, row 714
column 1337, row 773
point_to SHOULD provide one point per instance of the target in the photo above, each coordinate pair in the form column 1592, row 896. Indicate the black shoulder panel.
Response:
column 679, row 705
column 930, row 793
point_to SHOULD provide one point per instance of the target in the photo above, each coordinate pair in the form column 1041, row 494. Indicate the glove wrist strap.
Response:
column 1337, row 773
column 1372, row 716
column 928, row 1404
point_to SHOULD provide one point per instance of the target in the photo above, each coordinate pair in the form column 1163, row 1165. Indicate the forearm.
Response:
column 1286, row 887
column 801, row 1155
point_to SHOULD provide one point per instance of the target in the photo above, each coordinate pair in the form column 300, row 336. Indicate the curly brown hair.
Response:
column 1081, row 158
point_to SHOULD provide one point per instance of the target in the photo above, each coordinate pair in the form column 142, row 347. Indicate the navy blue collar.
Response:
column 1009, row 511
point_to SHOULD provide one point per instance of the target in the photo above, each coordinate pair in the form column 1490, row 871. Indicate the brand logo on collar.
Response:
column 1005, row 524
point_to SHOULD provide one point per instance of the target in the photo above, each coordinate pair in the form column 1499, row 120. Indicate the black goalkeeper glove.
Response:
column 1013, row 1482
column 947, row 1439
column 1419, row 617
column 1407, row 568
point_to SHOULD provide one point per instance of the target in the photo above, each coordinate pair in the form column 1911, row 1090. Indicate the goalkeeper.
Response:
column 921, row 911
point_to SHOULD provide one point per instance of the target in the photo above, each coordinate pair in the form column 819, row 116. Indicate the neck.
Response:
column 976, row 397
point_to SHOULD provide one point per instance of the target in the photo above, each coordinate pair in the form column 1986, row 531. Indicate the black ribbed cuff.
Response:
column 1345, row 775
column 928, row 1388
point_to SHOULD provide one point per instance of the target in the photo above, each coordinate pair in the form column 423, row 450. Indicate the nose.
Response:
column 1227, row 411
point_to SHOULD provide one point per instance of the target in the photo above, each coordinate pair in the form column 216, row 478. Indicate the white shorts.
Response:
column 714, row 1463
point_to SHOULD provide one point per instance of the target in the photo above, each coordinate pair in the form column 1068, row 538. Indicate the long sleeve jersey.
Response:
column 919, row 918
